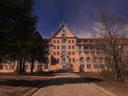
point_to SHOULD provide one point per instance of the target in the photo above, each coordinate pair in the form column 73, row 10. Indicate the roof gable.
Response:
column 64, row 30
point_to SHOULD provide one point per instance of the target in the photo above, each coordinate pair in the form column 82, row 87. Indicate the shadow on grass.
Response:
column 27, row 74
column 61, row 81
column 91, row 79
column 20, row 83
column 55, row 82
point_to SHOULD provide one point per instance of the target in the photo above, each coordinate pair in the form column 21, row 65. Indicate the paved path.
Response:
column 69, row 84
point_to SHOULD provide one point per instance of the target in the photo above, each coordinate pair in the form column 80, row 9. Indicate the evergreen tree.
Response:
column 38, row 50
column 16, row 26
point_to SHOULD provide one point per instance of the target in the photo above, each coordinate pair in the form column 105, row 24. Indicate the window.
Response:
column 85, row 41
column 58, row 47
column 80, row 47
column 93, row 53
column 54, row 41
column 73, row 59
column 69, row 47
column 63, row 47
column 102, row 66
column 86, row 48
column 69, row 53
column 64, row 41
column 89, row 66
column 69, row 59
column 81, row 66
column 63, row 60
column 72, row 41
column 69, row 41
column 91, row 47
column 63, row 35
column 73, row 53
column 54, row 53
column 81, row 59
column 91, row 41
column 73, row 47
column 63, row 30
column 95, row 66
column 88, row 59
column 45, row 66
column 58, row 53
column 87, row 53
column 57, row 41
column 58, row 60
column 54, row 47
column 39, row 67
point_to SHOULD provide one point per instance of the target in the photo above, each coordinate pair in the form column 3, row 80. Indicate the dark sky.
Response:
column 80, row 15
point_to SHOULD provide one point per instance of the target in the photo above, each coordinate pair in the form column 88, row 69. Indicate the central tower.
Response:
column 64, row 47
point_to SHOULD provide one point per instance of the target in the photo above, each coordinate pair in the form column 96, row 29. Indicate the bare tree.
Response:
column 113, row 30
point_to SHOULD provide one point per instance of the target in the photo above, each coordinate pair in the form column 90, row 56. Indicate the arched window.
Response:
column 81, row 59
column 88, row 59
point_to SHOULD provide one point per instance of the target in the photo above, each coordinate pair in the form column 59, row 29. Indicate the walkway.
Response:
column 69, row 84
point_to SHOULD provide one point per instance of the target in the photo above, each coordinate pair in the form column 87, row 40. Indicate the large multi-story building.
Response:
column 78, row 54
column 71, row 52
column 66, row 51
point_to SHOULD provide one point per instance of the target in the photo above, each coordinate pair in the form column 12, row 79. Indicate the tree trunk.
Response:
column 32, row 65
column 23, row 65
column 19, row 66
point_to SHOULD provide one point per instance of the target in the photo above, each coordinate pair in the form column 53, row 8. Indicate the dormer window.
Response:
column 63, row 30
column 63, row 35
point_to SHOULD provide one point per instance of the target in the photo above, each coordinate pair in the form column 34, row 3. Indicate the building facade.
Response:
column 73, row 53
column 78, row 54
column 68, row 52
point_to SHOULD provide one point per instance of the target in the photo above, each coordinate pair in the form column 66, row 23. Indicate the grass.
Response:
column 118, row 88
column 13, row 85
